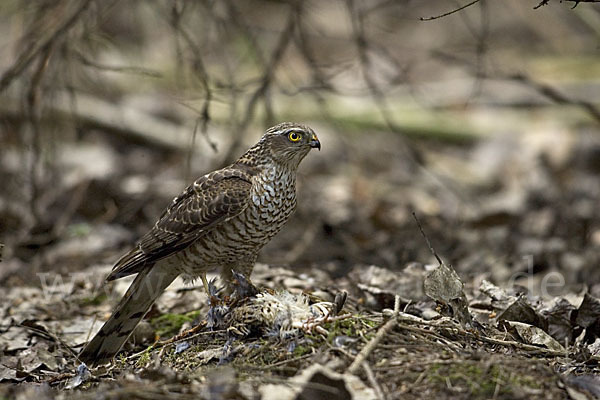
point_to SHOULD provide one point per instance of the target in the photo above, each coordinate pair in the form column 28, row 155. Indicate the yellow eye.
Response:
column 294, row 136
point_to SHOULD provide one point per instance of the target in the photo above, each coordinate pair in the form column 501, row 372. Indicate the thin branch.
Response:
column 556, row 96
column 362, row 45
column 545, row 2
column 266, row 80
column 201, row 73
column 113, row 68
column 449, row 12
column 26, row 57
column 427, row 239
column 544, row 89
column 33, row 114
column 302, row 43
column 373, row 381
column 381, row 333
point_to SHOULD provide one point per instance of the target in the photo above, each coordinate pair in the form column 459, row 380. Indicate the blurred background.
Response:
column 484, row 122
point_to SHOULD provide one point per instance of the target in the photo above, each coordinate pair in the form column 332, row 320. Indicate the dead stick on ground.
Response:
column 456, row 330
column 373, row 380
column 368, row 349
column 427, row 239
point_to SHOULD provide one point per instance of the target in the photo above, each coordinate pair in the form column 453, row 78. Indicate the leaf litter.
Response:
column 410, row 326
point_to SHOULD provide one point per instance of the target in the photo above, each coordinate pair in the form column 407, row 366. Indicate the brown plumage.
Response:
column 222, row 220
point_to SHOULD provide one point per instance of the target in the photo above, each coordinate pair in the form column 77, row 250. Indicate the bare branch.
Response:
column 381, row 333
column 450, row 12
column 556, row 96
column 545, row 2
column 199, row 68
column 33, row 112
column 113, row 68
column 26, row 57
column 544, row 89
column 266, row 80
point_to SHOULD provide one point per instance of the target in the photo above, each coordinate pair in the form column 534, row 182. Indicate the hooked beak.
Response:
column 314, row 142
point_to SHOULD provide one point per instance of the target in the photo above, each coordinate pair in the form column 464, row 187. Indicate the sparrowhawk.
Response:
column 222, row 220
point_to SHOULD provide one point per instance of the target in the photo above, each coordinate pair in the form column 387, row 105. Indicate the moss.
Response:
column 352, row 327
column 144, row 357
column 170, row 324
column 301, row 350
column 120, row 361
column 479, row 380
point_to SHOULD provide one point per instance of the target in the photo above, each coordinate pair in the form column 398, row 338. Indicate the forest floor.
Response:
column 512, row 311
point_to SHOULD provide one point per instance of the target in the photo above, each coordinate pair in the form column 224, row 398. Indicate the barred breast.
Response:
column 237, row 241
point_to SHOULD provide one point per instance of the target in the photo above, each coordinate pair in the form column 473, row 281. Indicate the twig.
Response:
column 60, row 377
column 33, row 112
column 373, row 381
column 202, row 124
column 265, row 82
column 187, row 334
column 283, row 362
column 26, row 57
column 555, row 95
column 458, row 330
column 512, row 343
column 440, row 339
column 201, row 72
column 545, row 90
column 302, row 42
column 368, row 349
column 450, row 12
column 427, row 239
column 113, row 68
column 542, row 3
column 378, row 95
column 545, row 2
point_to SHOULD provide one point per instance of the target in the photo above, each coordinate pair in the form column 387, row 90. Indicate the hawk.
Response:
column 222, row 220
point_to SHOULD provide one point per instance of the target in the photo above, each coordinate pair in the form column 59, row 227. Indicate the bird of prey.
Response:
column 222, row 220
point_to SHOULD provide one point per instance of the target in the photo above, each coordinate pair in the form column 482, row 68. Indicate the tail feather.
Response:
column 143, row 292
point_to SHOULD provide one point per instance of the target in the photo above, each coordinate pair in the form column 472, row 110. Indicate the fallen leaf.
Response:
column 443, row 285
column 533, row 335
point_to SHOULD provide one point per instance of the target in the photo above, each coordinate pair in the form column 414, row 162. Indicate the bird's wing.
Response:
column 209, row 201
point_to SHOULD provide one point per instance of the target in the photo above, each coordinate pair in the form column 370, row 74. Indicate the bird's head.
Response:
column 289, row 142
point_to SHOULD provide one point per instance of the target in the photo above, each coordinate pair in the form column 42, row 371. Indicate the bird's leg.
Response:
column 233, row 284
column 205, row 283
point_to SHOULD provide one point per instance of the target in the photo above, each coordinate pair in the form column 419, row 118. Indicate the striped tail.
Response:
column 147, row 286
